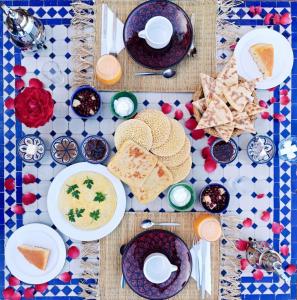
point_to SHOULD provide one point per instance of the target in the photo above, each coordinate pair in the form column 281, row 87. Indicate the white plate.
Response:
column 283, row 57
column 59, row 220
column 38, row 235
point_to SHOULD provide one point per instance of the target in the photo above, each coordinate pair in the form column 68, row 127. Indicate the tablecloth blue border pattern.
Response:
column 241, row 19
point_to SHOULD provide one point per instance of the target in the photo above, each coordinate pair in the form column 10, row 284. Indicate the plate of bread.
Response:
column 35, row 253
column 264, row 53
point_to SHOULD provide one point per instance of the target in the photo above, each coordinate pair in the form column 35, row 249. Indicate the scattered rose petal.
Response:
column 243, row 263
column 272, row 89
column 178, row 115
column 65, row 277
column 260, row 196
column 210, row 165
column 265, row 216
column 19, row 84
column 191, row 123
column 9, row 103
column 197, row 134
column 190, row 107
column 19, row 70
column 277, row 228
column 284, row 100
column 13, row 281
column 41, row 288
column 247, row 222
column 211, row 140
column 268, row 18
column 35, row 82
column 28, row 198
column 272, row 100
column 258, row 275
column 18, row 209
column 291, row 269
column 73, row 252
column 265, row 115
column 284, row 250
column 8, row 293
column 29, row 178
column 276, row 19
column 241, row 245
column 252, row 10
column 262, row 103
column 232, row 46
column 16, row 296
column 29, row 293
column 286, row 19
column 205, row 152
column 284, row 92
column 166, row 108
column 9, row 184
column 258, row 10
column 279, row 117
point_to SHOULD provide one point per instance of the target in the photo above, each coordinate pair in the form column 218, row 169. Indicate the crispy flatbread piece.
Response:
column 237, row 96
column 253, row 109
column 242, row 121
column 200, row 105
column 229, row 75
column 225, row 131
column 211, row 85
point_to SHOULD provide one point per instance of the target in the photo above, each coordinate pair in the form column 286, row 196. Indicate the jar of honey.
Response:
column 207, row 227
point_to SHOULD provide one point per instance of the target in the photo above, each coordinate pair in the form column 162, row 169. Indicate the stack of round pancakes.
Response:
column 162, row 136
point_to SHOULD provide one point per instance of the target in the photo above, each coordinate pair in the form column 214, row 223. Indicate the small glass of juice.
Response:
column 207, row 227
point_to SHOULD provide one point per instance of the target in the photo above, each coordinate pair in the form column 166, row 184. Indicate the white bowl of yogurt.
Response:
column 124, row 105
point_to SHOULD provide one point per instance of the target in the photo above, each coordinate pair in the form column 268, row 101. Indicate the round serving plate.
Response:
column 149, row 242
column 180, row 42
column 38, row 235
column 63, row 225
column 283, row 57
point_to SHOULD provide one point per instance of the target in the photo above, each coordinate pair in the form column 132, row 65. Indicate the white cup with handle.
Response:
column 157, row 268
column 157, row 32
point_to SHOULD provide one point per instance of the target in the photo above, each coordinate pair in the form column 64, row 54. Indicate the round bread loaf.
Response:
column 180, row 172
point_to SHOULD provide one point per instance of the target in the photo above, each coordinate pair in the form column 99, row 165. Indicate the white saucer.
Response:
column 38, row 235
column 283, row 57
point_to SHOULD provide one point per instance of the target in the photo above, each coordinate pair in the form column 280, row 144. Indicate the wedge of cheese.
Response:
column 35, row 255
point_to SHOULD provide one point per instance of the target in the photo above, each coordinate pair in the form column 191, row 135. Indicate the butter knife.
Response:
column 114, row 36
column 104, row 44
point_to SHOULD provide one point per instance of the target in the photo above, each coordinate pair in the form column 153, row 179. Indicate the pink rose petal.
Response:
column 29, row 198
column 29, row 178
column 258, row 275
column 210, row 165
column 262, row 103
column 16, row 296
column 267, row 19
column 9, row 184
column 29, row 293
column 284, row 100
column 178, row 115
column 279, row 117
column 18, row 209
column 252, row 10
column 247, row 222
column 276, row 19
column 243, row 264
column 272, row 100
column 13, row 281
column 166, row 108
column 286, row 19
column 258, row 10
column 272, row 89
column 9, row 103
column 277, row 228
column 284, row 92
column 205, row 152
column 19, row 84
column 291, row 269
column 8, row 293
column 197, row 134
column 241, row 245
column 190, row 107
column 73, row 252
column 65, row 277
column 19, row 70
column 35, row 82
column 41, row 288
column 191, row 124
column 232, row 46
column 284, row 250
column 211, row 140
column 260, row 196
column 265, row 216
column 265, row 115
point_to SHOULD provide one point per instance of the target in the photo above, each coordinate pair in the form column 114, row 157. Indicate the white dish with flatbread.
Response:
column 283, row 57
column 110, row 202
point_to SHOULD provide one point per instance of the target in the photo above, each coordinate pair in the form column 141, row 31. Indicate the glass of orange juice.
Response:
column 207, row 227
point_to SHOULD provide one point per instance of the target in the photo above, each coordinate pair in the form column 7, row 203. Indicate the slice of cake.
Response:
column 35, row 255
column 263, row 55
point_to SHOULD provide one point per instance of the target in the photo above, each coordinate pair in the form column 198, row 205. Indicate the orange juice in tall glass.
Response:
column 207, row 227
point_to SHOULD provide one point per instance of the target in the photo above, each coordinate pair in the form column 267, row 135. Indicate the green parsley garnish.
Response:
column 95, row 215
column 73, row 190
column 79, row 212
column 89, row 183
column 75, row 194
column 100, row 197
column 71, row 216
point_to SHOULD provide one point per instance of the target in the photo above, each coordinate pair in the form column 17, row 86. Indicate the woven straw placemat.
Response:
column 110, row 258
column 87, row 51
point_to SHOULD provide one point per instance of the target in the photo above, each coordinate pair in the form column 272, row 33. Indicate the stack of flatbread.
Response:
column 153, row 153
column 228, row 106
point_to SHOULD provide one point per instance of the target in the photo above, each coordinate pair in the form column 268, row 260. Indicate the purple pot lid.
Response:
column 180, row 42
column 147, row 243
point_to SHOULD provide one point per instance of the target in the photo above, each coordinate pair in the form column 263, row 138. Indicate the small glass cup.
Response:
column 53, row 73
column 224, row 147
column 242, row 185
column 290, row 141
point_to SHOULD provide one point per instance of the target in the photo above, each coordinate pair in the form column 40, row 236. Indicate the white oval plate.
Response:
column 59, row 220
column 38, row 235
column 283, row 57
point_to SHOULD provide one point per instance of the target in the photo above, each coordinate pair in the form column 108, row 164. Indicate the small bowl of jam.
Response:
column 224, row 152
column 215, row 198
column 86, row 102
column 95, row 149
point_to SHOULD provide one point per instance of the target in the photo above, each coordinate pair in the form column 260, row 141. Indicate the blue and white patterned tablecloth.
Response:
column 277, row 179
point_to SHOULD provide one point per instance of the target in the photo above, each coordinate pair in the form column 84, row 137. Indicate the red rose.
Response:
column 34, row 106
